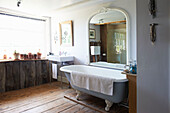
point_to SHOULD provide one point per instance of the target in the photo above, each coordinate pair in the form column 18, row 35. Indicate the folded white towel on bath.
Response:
column 97, row 83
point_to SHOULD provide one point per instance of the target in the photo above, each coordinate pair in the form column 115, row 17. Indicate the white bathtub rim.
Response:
column 64, row 69
column 108, row 65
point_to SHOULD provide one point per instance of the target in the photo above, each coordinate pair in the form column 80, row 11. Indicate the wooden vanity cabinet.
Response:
column 21, row 74
column 132, row 93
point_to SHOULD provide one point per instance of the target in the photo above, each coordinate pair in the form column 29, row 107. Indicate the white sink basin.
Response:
column 58, row 58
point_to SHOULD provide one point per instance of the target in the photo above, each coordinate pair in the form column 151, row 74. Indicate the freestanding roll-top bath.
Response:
column 120, row 90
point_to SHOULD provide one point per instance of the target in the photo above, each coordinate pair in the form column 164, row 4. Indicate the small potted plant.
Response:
column 35, row 56
column 16, row 55
column 21, row 56
column 29, row 55
column 38, row 55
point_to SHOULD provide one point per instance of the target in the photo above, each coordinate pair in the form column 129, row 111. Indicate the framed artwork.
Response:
column 66, row 33
column 92, row 33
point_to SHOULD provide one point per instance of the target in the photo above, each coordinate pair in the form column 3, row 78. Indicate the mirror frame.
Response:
column 127, row 30
column 69, row 25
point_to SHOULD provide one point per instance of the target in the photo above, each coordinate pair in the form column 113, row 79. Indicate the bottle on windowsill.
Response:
column 5, row 56
column 38, row 55
column 16, row 55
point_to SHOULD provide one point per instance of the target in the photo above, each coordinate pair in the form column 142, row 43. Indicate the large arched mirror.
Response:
column 109, row 39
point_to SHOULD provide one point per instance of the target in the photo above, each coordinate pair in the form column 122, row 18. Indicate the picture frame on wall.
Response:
column 66, row 33
column 92, row 34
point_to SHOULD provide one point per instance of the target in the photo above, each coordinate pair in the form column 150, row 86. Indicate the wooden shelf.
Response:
column 129, row 74
column 123, row 21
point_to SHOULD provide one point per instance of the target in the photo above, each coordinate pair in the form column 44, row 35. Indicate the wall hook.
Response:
column 152, row 8
column 153, row 32
column 18, row 2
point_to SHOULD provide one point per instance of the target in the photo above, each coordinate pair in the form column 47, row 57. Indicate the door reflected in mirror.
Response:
column 109, row 47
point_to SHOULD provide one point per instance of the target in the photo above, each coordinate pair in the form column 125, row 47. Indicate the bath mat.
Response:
column 95, row 103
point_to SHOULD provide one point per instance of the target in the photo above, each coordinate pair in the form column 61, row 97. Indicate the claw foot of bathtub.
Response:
column 108, row 105
column 78, row 94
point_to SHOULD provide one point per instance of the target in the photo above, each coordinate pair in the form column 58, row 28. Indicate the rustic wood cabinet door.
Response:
column 12, row 76
column 22, row 74
column 2, row 77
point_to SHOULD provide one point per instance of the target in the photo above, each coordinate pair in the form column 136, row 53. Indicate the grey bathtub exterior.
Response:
column 120, row 91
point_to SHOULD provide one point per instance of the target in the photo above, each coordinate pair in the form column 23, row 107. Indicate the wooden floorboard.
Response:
column 32, row 101
column 46, row 106
column 46, row 98
column 73, row 109
column 61, row 108
column 87, row 110
column 29, row 100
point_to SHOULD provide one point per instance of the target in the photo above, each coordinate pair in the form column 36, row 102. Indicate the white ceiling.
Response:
column 109, row 16
column 44, row 7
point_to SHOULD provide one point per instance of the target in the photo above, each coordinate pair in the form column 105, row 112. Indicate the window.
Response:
column 120, row 42
column 21, row 34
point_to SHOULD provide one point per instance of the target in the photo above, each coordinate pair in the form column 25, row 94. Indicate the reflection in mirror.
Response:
column 108, row 39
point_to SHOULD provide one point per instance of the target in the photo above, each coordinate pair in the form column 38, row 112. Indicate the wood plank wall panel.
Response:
column 45, row 72
column 2, row 77
column 16, row 74
column 23, row 67
column 9, row 78
column 30, row 74
column 22, row 74
column 12, row 76
column 50, row 71
column 38, row 73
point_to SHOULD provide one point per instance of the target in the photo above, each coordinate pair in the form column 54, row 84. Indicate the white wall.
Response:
column 153, row 64
column 80, row 16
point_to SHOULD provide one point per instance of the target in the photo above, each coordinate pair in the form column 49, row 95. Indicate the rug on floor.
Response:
column 95, row 103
